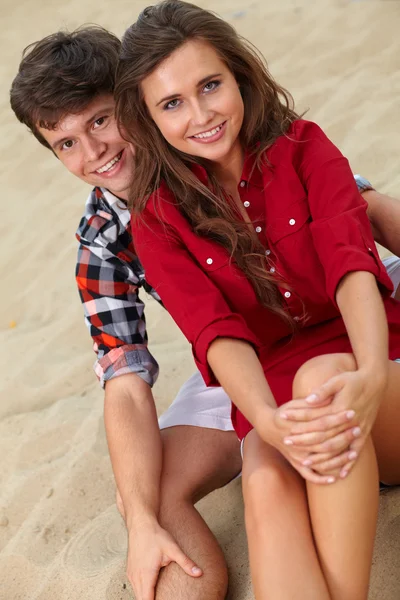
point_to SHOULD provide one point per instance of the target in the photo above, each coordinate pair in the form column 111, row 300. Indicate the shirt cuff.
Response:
column 363, row 184
column 124, row 360
column 344, row 245
column 232, row 326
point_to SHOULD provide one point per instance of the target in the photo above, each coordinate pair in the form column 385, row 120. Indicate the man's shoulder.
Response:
column 105, row 220
column 105, row 232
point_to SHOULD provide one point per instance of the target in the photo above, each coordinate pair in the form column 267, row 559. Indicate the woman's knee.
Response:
column 267, row 487
column 318, row 370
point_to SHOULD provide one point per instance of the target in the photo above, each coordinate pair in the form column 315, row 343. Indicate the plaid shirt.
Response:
column 109, row 275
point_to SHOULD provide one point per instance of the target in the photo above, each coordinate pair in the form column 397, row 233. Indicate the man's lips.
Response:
column 106, row 167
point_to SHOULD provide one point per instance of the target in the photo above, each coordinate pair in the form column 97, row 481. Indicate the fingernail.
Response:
column 343, row 473
column 356, row 431
column 284, row 416
column 353, row 455
column 312, row 398
column 350, row 414
column 288, row 442
column 330, row 480
column 196, row 570
column 307, row 462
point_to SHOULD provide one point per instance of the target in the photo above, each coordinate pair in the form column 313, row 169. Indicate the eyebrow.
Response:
column 199, row 84
column 92, row 118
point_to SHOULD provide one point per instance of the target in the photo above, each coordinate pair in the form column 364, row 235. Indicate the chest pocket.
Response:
column 296, row 216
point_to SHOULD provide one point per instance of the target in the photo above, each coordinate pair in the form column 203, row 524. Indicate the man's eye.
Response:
column 99, row 121
column 67, row 144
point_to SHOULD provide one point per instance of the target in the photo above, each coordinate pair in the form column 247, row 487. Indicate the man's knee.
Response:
column 318, row 370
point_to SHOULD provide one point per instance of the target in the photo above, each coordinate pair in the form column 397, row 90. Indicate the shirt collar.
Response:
column 251, row 173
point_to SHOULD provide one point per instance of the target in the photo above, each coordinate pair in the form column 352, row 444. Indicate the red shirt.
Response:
column 312, row 221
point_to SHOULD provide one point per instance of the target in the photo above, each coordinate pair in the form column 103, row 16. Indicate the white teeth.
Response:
column 110, row 164
column 209, row 133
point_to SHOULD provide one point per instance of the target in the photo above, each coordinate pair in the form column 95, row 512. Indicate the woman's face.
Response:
column 195, row 102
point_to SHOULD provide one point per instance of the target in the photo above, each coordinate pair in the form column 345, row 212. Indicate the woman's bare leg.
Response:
column 283, row 559
column 343, row 515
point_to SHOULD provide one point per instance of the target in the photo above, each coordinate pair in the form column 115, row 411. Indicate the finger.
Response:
column 324, row 423
column 185, row 563
column 337, row 463
column 338, row 443
column 346, row 469
column 312, row 477
column 326, row 391
column 319, row 437
column 145, row 590
column 304, row 413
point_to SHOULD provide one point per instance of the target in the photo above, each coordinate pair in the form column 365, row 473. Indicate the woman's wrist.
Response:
column 264, row 423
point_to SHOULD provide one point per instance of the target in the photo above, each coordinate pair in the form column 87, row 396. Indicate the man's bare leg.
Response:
column 196, row 461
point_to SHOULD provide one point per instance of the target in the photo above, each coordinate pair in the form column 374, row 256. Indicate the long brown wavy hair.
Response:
column 268, row 113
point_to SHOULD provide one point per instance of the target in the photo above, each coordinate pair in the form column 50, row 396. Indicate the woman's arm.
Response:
column 238, row 369
column 363, row 312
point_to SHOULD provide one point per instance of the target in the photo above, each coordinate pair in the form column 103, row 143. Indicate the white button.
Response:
column 242, row 183
column 272, row 270
column 287, row 294
column 296, row 318
column 267, row 252
column 246, row 204
column 258, row 229
column 370, row 249
column 209, row 261
column 292, row 222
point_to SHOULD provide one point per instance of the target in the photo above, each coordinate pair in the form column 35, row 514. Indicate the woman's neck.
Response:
column 229, row 171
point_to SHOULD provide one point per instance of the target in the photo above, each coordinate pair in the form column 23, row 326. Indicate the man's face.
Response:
column 91, row 147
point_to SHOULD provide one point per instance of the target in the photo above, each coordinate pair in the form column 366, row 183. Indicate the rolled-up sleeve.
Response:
column 193, row 300
column 340, row 227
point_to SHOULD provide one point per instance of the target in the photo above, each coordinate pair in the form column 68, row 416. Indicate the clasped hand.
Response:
column 323, row 434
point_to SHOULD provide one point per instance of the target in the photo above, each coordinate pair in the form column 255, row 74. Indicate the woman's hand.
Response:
column 277, row 432
column 150, row 547
column 357, row 391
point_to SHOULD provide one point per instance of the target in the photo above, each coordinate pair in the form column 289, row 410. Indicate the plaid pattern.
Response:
column 109, row 275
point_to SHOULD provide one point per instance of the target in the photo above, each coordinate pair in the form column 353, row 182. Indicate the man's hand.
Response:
column 150, row 548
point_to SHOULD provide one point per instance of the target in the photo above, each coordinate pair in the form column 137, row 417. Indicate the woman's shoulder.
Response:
column 162, row 209
column 305, row 141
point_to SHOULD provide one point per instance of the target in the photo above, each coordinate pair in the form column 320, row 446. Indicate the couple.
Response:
column 252, row 232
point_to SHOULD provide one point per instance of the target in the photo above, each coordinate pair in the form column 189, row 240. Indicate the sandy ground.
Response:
column 61, row 537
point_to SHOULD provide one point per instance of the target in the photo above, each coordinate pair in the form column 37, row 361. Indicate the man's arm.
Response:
column 384, row 215
column 134, row 442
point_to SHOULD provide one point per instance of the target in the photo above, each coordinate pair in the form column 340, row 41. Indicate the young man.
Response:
column 63, row 93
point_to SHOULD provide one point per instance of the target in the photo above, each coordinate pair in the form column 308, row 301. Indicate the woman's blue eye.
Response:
column 171, row 104
column 211, row 85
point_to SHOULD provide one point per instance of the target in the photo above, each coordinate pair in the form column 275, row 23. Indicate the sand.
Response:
column 61, row 537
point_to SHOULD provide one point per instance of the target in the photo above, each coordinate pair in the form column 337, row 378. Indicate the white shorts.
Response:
column 210, row 407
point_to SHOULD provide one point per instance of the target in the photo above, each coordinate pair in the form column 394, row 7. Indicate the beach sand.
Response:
column 61, row 537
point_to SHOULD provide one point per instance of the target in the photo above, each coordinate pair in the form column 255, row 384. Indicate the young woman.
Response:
column 252, row 230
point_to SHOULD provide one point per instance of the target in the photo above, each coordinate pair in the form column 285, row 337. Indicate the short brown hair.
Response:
column 61, row 74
